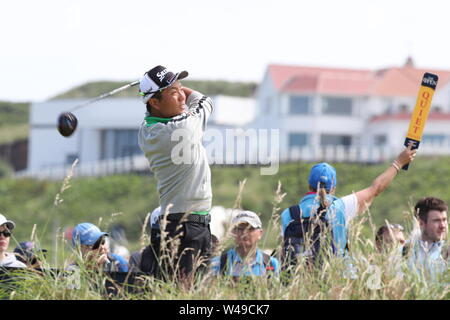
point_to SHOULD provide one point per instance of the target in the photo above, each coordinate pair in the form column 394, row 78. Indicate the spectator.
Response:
column 7, row 259
column 245, row 259
column 389, row 236
column 94, row 251
column 150, row 259
column 29, row 254
column 428, row 254
column 118, row 242
column 319, row 211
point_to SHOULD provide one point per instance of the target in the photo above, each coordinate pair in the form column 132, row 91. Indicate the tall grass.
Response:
column 28, row 202
column 366, row 274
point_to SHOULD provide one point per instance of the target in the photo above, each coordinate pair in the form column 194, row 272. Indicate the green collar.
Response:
column 154, row 120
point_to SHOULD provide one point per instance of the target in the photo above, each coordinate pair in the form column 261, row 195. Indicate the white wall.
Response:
column 442, row 97
column 49, row 148
column 267, row 104
column 233, row 111
column 396, row 130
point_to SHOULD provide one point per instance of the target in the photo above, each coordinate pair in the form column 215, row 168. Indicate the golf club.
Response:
column 67, row 122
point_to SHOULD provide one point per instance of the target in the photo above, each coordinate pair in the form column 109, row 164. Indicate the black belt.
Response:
column 199, row 218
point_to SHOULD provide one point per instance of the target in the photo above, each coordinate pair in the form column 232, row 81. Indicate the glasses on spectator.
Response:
column 397, row 227
column 5, row 233
column 101, row 241
column 244, row 227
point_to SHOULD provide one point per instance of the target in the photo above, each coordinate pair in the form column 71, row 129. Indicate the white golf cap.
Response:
column 244, row 216
column 9, row 224
column 157, row 79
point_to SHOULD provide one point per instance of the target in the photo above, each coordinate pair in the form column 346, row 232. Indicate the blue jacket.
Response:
column 121, row 263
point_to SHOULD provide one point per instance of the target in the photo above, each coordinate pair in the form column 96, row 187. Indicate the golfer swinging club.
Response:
column 177, row 116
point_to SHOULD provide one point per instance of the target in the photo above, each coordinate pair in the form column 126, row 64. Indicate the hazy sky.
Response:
column 49, row 46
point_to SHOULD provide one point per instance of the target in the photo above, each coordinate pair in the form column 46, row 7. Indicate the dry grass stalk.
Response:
column 66, row 184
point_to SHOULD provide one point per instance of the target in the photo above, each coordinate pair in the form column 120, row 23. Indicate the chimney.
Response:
column 409, row 62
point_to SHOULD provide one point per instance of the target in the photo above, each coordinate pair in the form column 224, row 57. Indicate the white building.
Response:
column 363, row 114
column 107, row 130
column 326, row 114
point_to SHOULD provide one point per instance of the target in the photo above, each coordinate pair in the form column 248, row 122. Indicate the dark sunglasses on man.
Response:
column 5, row 233
column 396, row 227
column 101, row 241
column 34, row 260
column 244, row 227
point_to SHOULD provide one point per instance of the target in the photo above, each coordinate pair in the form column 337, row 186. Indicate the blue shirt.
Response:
column 236, row 267
column 122, row 264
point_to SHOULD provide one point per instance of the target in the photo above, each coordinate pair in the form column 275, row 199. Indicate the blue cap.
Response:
column 86, row 233
column 322, row 172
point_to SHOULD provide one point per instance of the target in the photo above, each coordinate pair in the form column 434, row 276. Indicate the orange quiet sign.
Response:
column 421, row 110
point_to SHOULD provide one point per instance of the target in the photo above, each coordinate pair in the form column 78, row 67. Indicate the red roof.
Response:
column 397, row 81
column 405, row 116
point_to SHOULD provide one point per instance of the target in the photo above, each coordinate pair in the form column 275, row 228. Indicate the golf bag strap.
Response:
column 223, row 262
column 266, row 261
column 295, row 212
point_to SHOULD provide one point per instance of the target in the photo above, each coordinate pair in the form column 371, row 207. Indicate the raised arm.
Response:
column 366, row 196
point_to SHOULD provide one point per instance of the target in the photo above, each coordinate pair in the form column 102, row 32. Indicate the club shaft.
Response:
column 105, row 95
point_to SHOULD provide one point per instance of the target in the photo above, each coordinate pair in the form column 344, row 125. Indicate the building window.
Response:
column 403, row 108
column 298, row 140
column 434, row 139
column 337, row 106
column 335, row 140
column 119, row 143
column 437, row 108
column 380, row 140
column 298, row 105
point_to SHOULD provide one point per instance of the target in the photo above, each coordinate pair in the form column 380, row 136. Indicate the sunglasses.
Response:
column 98, row 243
column 244, row 228
column 397, row 227
column 6, row 234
